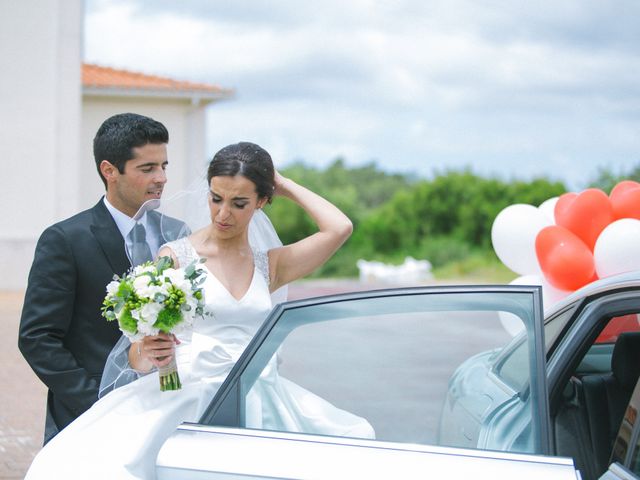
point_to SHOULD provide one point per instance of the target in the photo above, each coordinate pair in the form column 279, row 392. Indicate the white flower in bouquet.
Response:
column 147, row 267
column 140, row 283
column 112, row 287
column 176, row 278
column 148, row 316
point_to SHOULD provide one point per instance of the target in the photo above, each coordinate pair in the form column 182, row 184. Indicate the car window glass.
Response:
column 618, row 325
column 597, row 359
column 556, row 324
column 511, row 366
column 413, row 368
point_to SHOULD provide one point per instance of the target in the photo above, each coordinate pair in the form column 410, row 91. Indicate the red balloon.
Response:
column 563, row 202
column 586, row 214
column 625, row 200
column 565, row 260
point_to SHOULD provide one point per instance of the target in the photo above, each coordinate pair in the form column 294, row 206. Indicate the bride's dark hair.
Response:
column 246, row 159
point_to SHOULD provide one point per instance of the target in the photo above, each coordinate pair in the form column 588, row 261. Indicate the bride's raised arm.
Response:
column 298, row 259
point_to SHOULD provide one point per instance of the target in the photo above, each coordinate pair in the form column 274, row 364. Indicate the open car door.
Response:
column 357, row 385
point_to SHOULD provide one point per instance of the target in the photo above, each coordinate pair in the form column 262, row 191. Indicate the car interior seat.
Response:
column 606, row 397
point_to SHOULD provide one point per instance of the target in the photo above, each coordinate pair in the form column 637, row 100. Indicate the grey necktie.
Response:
column 140, row 251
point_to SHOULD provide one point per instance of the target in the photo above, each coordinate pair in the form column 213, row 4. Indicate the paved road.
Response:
column 23, row 396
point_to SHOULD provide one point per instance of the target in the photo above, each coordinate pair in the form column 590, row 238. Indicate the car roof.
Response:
column 614, row 282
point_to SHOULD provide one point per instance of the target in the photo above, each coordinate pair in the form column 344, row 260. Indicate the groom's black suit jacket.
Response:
column 63, row 335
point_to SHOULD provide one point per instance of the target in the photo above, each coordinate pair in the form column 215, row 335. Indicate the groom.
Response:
column 62, row 334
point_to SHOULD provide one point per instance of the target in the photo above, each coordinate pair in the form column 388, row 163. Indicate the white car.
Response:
column 593, row 363
column 388, row 356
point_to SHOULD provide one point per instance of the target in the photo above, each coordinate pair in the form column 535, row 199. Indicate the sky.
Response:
column 507, row 88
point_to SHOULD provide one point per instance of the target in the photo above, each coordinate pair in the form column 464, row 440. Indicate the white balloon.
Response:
column 511, row 323
column 551, row 294
column 531, row 279
column 617, row 248
column 513, row 235
column 548, row 208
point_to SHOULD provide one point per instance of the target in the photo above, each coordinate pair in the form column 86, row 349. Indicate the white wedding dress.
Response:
column 120, row 435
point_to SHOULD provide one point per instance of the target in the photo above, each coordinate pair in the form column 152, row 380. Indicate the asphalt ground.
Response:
column 23, row 396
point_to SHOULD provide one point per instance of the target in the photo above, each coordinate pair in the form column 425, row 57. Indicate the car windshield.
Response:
column 411, row 367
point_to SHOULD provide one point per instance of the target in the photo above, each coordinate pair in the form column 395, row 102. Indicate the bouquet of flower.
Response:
column 155, row 297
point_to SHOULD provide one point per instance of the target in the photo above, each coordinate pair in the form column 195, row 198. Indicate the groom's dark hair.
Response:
column 246, row 159
column 120, row 134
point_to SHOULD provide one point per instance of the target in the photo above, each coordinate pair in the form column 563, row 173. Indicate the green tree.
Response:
column 606, row 179
column 445, row 219
column 457, row 205
column 356, row 191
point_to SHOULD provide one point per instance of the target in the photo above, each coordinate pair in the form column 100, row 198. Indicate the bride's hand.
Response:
column 279, row 184
column 158, row 349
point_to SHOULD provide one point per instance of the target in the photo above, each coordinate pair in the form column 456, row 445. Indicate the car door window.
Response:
column 618, row 325
column 411, row 366
column 510, row 367
column 555, row 325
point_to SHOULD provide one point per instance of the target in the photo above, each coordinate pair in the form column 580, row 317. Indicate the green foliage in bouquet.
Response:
column 167, row 319
column 125, row 299
column 127, row 322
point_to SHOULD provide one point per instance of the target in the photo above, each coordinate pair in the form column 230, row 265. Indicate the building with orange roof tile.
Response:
column 102, row 81
column 52, row 106
column 180, row 105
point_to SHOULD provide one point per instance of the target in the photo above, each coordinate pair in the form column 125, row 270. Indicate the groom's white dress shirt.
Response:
column 125, row 224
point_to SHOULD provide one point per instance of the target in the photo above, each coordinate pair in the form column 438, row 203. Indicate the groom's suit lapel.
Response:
column 108, row 236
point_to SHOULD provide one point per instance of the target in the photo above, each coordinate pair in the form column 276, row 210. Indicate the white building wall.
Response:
column 40, row 94
column 47, row 129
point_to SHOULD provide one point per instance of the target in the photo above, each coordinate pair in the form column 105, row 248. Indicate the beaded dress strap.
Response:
column 261, row 260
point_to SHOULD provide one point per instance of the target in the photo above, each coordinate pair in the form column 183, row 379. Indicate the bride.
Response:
column 121, row 434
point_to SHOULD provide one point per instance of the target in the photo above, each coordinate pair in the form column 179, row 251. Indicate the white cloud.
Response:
column 415, row 84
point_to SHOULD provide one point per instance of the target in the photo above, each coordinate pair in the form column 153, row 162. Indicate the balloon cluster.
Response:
column 571, row 240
